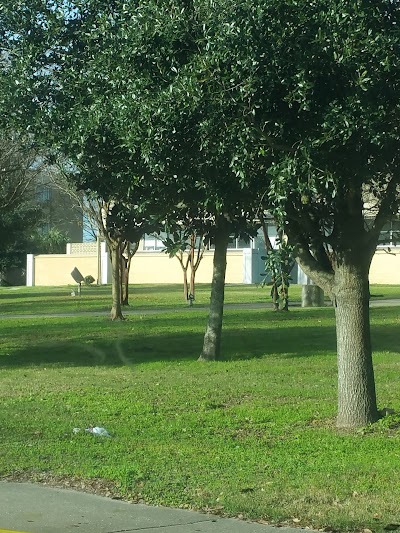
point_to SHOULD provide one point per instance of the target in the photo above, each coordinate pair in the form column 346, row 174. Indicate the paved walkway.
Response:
column 30, row 508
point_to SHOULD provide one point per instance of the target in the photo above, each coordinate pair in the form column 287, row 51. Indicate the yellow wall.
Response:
column 385, row 267
column 147, row 267
column 56, row 269
column 157, row 267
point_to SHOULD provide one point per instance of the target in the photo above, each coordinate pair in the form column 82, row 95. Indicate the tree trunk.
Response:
column 126, row 268
column 192, row 266
column 192, row 283
column 274, row 294
column 212, row 337
column 124, row 281
column 184, row 267
column 116, row 309
column 195, row 260
column 356, row 384
column 285, row 297
column 185, row 284
column 312, row 296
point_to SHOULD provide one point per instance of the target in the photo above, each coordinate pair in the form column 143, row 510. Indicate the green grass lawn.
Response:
column 251, row 435
column 33, row 300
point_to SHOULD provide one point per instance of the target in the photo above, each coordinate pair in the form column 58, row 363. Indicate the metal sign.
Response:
column 77, row 276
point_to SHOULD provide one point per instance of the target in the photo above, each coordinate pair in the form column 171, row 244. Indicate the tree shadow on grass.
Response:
column 165, row 348
column 16, row 295
column 94, row 342
column 164, row 287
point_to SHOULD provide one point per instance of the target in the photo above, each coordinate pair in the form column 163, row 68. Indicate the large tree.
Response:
column 53, row 84
column 321, row 82
column 122, row 80
column 184, row 134
column 120, row 224
column 305, row 93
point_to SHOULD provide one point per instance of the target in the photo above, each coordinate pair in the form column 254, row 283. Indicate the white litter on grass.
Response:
column 101, row 432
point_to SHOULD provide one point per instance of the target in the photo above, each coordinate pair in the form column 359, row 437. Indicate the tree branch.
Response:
column 319, row 269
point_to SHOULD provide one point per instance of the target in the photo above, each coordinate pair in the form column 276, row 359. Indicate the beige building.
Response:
column 151, row 265
column 148, row 266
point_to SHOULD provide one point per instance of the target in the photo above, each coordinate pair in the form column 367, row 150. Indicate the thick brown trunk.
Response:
column 212, row 337
column 116, row 309
column 356, row 385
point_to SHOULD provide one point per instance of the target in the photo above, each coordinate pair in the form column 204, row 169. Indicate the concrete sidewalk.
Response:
column 30, row 508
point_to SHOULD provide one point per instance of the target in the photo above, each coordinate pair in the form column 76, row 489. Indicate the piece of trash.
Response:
column 72, row 293
column 102, row 432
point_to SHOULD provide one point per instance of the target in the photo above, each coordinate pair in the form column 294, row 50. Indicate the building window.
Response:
column 236, row 243
column 390, row 234
column 152, row 243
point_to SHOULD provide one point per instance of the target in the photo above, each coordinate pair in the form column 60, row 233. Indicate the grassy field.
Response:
column 22, row 300
column 251, row 435
column 31, row 300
